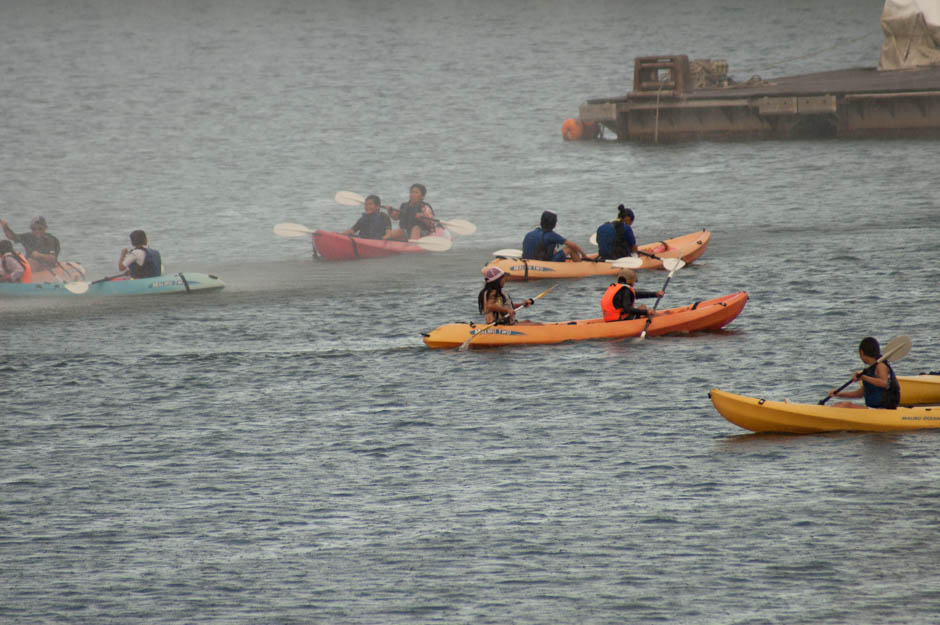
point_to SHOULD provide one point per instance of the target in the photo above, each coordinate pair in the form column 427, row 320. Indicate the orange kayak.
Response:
column 712, row 314
column 688, row 247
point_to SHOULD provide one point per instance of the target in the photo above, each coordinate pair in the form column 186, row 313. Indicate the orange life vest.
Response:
column 27, row 276
column 612, row 313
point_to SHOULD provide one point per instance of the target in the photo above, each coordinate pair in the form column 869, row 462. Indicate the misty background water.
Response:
column 288, row 451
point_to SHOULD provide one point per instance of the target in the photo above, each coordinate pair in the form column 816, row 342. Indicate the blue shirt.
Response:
column 540, row 245
column 609, row 245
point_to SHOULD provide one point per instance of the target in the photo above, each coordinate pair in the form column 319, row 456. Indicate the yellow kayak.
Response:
column 688, row 247
column 919, row 389
column 760, row 415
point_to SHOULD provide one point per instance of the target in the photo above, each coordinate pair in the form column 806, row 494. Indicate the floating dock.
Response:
column 675, row 100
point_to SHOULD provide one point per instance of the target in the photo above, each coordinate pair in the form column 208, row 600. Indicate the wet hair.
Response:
column 375, row 199
column 420, row 187
column 623, row 211
column 485, row 292
column 6, row 247
column 138, row 238
column 870, row 347
column 548, row 221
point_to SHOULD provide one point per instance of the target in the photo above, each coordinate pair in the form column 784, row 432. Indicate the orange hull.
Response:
column 712, row 314
column 688, row 247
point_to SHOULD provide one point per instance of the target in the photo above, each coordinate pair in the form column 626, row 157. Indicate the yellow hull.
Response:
column 919, row 389
column 688, row 247
column 759, row 415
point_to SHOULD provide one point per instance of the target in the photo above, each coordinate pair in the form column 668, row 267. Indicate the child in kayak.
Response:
column 495, row 305
column 372, row 224
column 618, row 300
column 615, row 238
column 879, row 386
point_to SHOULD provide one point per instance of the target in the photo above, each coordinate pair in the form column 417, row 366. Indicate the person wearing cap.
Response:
column 372, row 224
column 543, row 242
column 615, row 238
column 495, row 305
column 140, row 261
column 618, row 301
column 40, row 246
column 415, row 217
column 13, row 266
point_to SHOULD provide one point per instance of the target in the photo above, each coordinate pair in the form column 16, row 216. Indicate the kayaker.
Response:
column 13, row 266
column 38, row 243
column 543, row 242
column 618, row 301
column 879, row 386
column 140, row 261
column 493, row 303
column 615, row 238
column 416, row 217
column 372, row 224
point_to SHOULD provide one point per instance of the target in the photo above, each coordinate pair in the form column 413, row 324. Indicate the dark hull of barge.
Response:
column 850, row 103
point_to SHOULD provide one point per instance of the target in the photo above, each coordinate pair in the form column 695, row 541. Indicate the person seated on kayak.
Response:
column 39, row 244
column 13, row 266
column 140, row 261
column 615, row 238
column 494, row 304
column 618, row 300
column 372, row 224
column 541, row 243
column 415, row 217
column 879, row 386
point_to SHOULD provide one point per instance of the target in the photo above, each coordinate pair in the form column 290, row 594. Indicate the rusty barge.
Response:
column 674, row 99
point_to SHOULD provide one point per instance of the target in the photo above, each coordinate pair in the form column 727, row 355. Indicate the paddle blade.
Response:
column 508, row 253
column 348, row 198
column 291, row 230
column 593, row 239
column 433, row 243
column 459, row 226
column 627, row 262
column 673, row 265
column 897, row 348
column 76, row 287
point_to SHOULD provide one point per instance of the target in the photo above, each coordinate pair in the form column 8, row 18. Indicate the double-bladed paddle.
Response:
column 478, row 332
column 457, row 226
column 82, row 287
column 430, row 243
column 673, row 265
column 896, row 349
column 626, row 262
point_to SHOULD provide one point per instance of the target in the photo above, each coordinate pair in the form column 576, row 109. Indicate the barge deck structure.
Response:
column 670, row 103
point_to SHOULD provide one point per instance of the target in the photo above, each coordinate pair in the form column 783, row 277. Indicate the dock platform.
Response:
column 672, row 101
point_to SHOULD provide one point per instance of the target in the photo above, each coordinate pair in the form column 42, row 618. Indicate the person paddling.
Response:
column 373, row 224
column 615, row 238
column 13, row 266
column 495, row 305
column 39, row 244
column 542, row 243
column 618, row 301
column 879, row 385
column 415, row 217
column 140, row 261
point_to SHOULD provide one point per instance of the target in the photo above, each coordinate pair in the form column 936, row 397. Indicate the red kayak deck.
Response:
column 338, row 246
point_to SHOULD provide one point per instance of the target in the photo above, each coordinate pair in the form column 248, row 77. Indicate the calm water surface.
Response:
column 288, row 451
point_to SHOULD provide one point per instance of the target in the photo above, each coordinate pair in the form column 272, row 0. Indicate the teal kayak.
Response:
column 170, row 283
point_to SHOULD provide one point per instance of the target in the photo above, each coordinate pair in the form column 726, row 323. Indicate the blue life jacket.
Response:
column 877, row 397
column 152, row 267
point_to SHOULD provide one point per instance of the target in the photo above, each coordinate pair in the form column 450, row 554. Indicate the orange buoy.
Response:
column 572, row 129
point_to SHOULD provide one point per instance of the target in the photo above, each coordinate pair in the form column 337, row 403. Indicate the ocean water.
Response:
column 288, row 451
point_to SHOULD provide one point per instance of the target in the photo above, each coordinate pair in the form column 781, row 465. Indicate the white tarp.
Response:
column 912, row 33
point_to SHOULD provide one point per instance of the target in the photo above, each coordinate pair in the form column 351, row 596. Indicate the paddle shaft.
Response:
column 649, row 318
column 888, row 354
